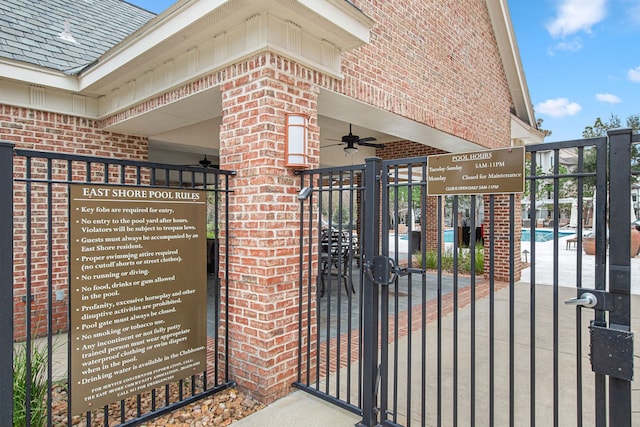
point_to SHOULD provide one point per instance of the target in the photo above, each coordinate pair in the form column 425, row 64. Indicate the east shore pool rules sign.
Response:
column 138, row 290
column 481, row 172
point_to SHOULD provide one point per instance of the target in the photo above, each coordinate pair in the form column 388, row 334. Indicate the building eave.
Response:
column 219, row 27
column 524, row 134
column 510, row 54
column 33, row 75
column 192, row 39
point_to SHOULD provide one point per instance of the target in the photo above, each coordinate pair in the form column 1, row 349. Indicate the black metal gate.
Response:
column 34, row 296
column 473, row 310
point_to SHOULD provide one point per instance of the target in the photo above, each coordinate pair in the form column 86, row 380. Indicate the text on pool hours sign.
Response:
column 138, row 290
column 481, row 172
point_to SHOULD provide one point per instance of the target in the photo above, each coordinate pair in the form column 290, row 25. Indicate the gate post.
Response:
column 619, row 261
column 371, row 241
column 6, row 283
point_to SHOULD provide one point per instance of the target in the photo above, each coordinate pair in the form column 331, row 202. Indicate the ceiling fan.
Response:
column 205, row 163
column 352, row 140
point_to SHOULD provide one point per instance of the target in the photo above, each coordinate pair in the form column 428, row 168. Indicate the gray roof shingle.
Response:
column 30, row 30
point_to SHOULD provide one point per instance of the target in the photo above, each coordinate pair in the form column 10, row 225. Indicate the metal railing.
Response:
column 34, row 266
column 457, row 324
column 330, row 306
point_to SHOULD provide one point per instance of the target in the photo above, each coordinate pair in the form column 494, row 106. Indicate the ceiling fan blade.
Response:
column 367, row 139
column 331, row 145
column 368, row 144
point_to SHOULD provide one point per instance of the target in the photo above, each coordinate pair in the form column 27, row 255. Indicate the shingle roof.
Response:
column 30, row 30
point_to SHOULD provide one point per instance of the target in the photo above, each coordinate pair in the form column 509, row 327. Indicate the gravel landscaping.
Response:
column 220, row 409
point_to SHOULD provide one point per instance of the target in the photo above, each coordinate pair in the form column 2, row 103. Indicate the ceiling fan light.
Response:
column 350, row 150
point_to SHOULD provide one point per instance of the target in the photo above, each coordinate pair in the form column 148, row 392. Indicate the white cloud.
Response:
column 634, row 74
column 570, row 46
column 634, row 14
column 608, row 98
column 559, row 107
column 577, row 15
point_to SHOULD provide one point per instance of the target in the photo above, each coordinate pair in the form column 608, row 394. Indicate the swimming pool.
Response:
column 542, row 234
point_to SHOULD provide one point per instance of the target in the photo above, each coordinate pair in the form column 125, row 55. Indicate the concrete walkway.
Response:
column 302, row 409
column 568, row 266
column 299, row 409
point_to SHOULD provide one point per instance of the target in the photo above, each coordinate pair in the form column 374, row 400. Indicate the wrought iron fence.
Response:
column 35, row 265
column 458, row 316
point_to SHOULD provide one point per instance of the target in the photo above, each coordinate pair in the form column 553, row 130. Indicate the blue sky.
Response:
column 581, row 59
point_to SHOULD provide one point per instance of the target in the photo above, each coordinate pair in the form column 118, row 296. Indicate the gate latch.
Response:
column 611, row 347
column 592, row 298
column 383, row 270
column 611, row 352
column 587, row 299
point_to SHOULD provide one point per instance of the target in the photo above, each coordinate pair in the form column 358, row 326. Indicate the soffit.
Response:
column 523, row 134
column 191, row 23
column 167, row 122
column 384, row 125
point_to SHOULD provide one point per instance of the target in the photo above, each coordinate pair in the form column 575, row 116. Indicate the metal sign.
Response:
column 138, row 290
column 481, row 172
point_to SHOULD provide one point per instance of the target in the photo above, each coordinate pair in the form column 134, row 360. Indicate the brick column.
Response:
column 264, row 220
column 502, row 240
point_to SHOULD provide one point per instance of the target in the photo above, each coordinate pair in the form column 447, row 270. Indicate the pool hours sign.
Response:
column 481, row 172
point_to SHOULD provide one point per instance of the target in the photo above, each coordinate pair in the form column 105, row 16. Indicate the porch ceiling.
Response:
column 186, row 130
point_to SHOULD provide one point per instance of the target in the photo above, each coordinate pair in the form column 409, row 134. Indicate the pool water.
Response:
column 542, row 235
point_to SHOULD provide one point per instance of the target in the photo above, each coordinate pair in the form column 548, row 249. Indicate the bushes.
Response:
column 464, row 260
column 37, row 381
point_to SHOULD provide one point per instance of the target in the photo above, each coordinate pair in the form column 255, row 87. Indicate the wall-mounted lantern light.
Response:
column 296, row 140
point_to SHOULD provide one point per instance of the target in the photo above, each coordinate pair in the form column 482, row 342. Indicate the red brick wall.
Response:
column 43, row 131
column 502, row 238
column 264, row 219
column 435, row 62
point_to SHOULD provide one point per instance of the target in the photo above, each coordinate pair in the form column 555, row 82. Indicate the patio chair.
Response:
column 336, row 258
